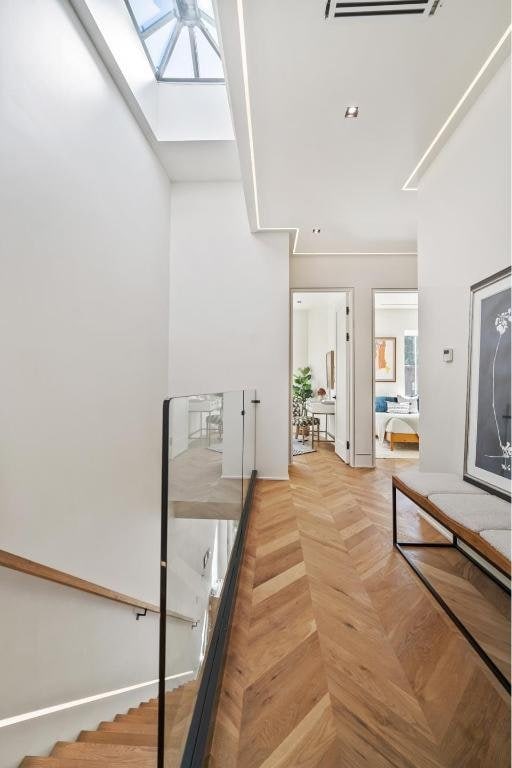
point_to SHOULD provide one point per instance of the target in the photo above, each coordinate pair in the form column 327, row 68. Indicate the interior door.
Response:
column 342, row 427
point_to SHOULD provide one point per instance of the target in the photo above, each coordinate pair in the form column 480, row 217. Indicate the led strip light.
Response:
column 405, row 187
column 245, row 76
column 78, row 702
column 456, row 109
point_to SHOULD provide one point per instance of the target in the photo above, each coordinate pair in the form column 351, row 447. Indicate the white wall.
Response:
column 464, row 236
column 321, row 339
column 229, row 316
column 362, row 273
column 300, row 355
column 394, row 322
column 314, row 334
column 84, row 211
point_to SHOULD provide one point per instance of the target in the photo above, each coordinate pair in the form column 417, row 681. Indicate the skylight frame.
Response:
column 145, row 32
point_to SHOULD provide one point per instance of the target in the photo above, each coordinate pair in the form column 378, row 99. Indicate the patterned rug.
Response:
column 402, row 451
column 298, row 447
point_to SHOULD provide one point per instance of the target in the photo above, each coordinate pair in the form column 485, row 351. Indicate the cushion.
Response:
column 500, row 540
column 398, row 407
column 426, row 483
column 380, row 403
column 477, row 512
column 412, row 401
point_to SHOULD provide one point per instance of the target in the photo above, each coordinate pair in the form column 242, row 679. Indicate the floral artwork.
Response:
column 488, row 440
column 502, row 324
column 385, row 358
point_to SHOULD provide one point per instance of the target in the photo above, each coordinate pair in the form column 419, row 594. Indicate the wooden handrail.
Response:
column 22, row 564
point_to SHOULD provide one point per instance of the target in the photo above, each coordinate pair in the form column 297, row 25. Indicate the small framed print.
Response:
column 488, row 452
column 385, row 358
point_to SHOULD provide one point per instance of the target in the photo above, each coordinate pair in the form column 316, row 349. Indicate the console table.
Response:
column 318, row 409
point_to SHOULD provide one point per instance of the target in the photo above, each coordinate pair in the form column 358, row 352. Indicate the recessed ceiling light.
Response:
column 352, row 112
column 316, row 230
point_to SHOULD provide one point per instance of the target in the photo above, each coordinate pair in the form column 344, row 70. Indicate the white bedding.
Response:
column 408, row 424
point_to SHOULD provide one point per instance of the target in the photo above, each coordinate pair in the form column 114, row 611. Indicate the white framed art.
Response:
column 488, row 451
column 385, row 358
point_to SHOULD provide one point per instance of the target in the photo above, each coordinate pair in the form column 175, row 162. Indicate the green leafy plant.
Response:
column 302, row 388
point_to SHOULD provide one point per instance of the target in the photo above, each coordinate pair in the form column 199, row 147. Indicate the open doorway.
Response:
column 396, row 382
column 321, row 372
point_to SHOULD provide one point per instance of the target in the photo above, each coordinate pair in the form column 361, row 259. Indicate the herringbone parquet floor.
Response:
column 338, row 655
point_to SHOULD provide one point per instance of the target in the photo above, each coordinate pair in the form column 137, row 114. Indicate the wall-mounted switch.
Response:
column 448, row 355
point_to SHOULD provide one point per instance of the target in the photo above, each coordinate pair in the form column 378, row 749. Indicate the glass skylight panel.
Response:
column 147, row 12
column 180, row 38
column 207, row 7
column 210, row 65
column 180, row 65
column 156, row 43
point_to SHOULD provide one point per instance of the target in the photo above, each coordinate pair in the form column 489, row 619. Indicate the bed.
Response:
column 404, row 428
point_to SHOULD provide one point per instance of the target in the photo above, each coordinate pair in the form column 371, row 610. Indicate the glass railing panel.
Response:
column 211, row 455
column 249, row 441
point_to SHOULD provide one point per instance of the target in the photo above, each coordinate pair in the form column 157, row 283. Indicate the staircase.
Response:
column 130, row 740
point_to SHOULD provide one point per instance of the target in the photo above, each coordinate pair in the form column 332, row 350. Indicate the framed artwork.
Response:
column 329, row 369
column 385, row 358
column 488, row 453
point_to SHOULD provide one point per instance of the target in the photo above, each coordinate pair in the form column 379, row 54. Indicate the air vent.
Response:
column 345, row 9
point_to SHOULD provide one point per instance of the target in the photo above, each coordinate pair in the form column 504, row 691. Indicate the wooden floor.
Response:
column 338, row 655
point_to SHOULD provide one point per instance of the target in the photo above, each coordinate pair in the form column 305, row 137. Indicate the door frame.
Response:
column 374, row 291
column 350, row 364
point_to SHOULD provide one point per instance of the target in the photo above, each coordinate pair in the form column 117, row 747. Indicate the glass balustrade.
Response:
column 208, row 462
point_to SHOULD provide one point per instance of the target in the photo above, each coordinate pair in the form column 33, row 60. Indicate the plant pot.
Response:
column 304, row 431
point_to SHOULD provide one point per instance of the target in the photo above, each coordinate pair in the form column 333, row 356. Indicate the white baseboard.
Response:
column 272, row 477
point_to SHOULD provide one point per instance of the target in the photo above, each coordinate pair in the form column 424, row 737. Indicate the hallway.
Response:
column 338, row 655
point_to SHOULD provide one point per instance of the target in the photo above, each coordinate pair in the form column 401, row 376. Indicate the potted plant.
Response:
column 302, row 392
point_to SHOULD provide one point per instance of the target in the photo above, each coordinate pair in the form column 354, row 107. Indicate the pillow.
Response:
column 381, row 403
column 398, row 408
column 413, row 402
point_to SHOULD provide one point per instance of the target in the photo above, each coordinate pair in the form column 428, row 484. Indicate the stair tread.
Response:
column 111, row 751
column 120, row 761
column 111, row 737
column 129, row 727
column 136, row 717
column 129, row 740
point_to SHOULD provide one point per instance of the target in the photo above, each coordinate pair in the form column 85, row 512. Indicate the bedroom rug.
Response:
column 298, row 447
column 404, row 451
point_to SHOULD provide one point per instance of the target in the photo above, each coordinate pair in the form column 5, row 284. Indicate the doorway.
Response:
column 321, row 372
column 396, row 411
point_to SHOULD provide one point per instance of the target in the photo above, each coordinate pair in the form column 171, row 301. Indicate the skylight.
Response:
column 180, row 38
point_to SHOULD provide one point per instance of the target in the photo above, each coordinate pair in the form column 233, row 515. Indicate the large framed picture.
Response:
column 385, row 358
column 329, row 369
column 488, row 453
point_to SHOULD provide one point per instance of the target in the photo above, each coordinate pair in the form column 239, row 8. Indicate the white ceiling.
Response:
column 312, row 167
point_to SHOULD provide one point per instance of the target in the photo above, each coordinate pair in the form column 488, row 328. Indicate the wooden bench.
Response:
column 470, row 515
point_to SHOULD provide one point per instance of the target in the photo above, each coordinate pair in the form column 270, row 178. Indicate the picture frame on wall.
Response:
column 385, row 358
column 488, row 452
column 329, row 369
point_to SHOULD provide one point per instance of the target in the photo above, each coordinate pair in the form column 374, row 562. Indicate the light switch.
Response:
column 448, row 355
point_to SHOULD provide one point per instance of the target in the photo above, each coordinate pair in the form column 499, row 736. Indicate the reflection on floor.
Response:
column 338, row 655
column 197, row 488
column 400, row 451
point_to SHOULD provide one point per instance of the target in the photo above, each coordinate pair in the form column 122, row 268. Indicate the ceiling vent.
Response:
column 346, row 9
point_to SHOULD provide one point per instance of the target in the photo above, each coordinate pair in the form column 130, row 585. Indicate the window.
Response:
column 411, row 363
column 180, row 38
